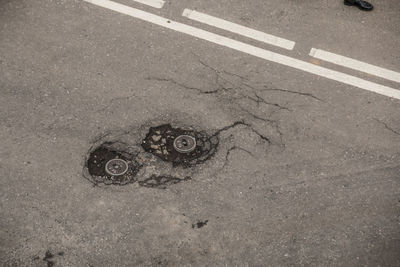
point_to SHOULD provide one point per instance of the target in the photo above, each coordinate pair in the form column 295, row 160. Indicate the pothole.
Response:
column 181, row 147
column 166, row 156
column 112, row 163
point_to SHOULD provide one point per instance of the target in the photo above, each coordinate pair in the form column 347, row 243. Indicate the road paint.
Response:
column 239, row 29
column 249, row 49
column 355, row 64
column 153, row 3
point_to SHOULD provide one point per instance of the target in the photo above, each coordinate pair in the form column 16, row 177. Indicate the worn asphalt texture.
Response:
column 306, row 171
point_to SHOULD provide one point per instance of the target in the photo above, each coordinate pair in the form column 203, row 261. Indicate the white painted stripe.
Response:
column 239, row 29
column 355, row 64
column 153, row 3
column 249, row 49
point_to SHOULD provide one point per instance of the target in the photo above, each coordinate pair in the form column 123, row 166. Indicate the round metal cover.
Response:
column 116, row 167
column 184, row 143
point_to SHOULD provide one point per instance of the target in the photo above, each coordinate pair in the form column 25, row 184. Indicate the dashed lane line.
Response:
column 239, row 29
column 355, row 64
column 249, row 49
column 152, row 3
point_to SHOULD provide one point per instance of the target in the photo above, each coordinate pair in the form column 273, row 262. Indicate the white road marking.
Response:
column 249, row 49
column 355, row 64
column 153, row 3
column 239, row 29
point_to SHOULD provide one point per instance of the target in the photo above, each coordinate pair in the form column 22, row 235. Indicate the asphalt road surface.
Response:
column 297, row 160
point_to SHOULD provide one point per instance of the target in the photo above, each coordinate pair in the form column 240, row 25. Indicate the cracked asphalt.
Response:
column 306, row 171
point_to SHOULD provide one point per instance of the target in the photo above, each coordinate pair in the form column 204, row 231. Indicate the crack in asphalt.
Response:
column 292, row 92
column 239, row 82
column 249, row 126
column 233, row 125
column 273, row 123
column 260, row 100
column 218, row 72
column 230, row 150
column 153, row 78
column 235, row 75
column 251, row 87
column 387, row 127
column 256, row 116
column 219, row 77
column 218, row 80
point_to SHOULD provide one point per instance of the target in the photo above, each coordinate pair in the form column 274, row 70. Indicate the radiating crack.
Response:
column 255, row 98
column 235, row 75
column 151, row 78
column 387, row 127
column 292, row 92
column 218, row 72
column 273, row 123
column 254, row 116
column 230, row 150
column 242, row 78
column 226, row 81
column 260, row 100
column 233, row 125
column 263, row 137
column 247, row 125
column 219, row 78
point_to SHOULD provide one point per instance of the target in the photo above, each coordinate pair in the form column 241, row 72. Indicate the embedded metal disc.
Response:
column 184, row 143
column 116, row 167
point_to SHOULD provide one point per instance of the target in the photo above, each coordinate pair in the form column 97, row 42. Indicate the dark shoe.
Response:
column 363, row 5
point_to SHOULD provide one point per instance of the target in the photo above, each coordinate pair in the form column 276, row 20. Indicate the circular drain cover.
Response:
column 184, row 143
column 116, row 167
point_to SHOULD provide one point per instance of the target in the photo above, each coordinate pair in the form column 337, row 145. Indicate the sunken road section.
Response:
column 160, row 142
column 108, row 151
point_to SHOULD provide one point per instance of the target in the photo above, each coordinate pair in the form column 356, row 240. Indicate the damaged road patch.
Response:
column 156, row 156
column 181, row 147
column 112, row 163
